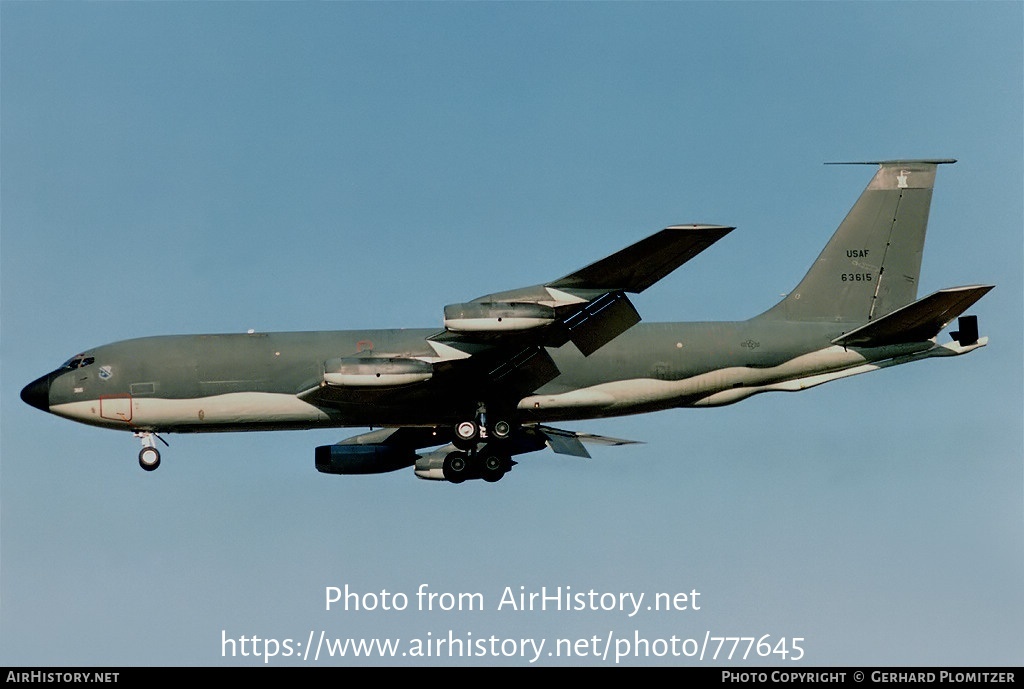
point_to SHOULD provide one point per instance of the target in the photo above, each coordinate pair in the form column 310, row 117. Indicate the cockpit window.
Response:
column 78, row 361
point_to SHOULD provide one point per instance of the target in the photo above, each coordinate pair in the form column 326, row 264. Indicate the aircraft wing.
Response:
column 529, row 438
column 640, row 265
column 391, row 449
column 494, row 347
column 507, row 332
column 588, row 307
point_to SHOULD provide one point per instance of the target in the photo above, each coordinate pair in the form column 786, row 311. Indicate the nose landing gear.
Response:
column 149, row 455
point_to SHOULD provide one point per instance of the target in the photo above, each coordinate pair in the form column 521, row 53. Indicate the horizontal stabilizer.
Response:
column 901, row 161
column 640, row 265
column 915, row 322
column 571, row 443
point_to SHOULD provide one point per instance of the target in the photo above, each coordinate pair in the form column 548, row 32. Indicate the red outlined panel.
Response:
column 116, row 407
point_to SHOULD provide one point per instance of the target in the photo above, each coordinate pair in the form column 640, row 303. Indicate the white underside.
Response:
column 231, row 408
column 728, row 385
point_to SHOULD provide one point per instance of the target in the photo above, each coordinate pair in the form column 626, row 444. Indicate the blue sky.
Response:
column 215, row 167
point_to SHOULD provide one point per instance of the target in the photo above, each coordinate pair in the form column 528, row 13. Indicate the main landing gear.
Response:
column 482, row 450
column 489, row 463
column 149, row 455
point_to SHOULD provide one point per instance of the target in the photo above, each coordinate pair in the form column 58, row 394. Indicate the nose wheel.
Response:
column 149, row 455
column 149, row 458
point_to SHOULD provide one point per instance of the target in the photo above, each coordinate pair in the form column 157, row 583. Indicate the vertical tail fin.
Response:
column 870, row 267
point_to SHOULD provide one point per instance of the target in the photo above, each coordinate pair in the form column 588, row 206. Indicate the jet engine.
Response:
column 363, row 459
column 376, row 371
column 496, row 316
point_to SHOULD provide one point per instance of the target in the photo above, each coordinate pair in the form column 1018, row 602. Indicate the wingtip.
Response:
column 984, row 289
column 701, row 227
column 898, row 161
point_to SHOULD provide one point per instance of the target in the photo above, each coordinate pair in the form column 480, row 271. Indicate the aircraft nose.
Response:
column 37, row 393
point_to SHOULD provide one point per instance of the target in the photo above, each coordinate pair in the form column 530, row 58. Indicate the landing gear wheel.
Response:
column 501, row 430
column 494, row 467
column 466, row 434
column 456, row 467
column 149, row 458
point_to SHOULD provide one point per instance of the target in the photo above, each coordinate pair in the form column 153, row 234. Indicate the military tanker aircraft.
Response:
column 485, row 387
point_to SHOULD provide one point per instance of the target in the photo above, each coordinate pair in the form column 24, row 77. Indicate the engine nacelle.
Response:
column 431, row 466
column 497, row 316
column 363, row 459
column 376, row 371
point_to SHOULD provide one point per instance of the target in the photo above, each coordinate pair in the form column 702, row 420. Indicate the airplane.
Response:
column 484, row 388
